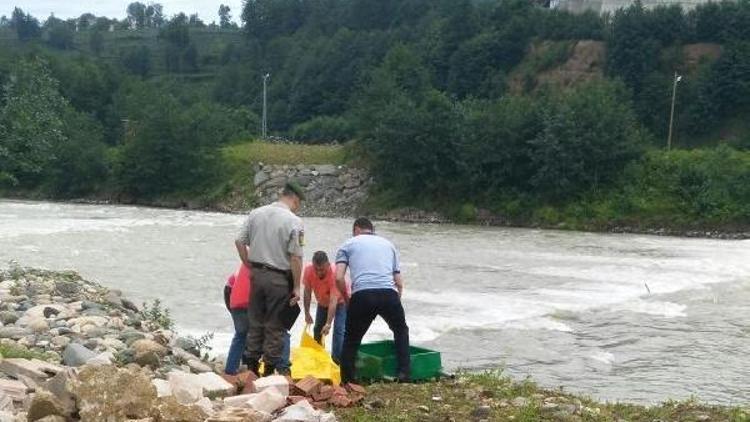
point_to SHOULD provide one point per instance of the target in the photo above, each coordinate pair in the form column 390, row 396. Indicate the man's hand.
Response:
column 308, row 318
column 295, row 297
column 326, row 329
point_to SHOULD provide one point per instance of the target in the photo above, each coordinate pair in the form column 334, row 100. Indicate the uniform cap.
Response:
column 292, row 186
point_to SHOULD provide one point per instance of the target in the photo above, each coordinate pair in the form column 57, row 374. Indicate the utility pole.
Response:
column 264, row 130
column 677, row 78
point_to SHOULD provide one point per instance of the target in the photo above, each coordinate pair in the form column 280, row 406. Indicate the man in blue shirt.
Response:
column 376, row 290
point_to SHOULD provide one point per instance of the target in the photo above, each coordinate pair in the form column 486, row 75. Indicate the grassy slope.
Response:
column 236, row 190
column 458, row 400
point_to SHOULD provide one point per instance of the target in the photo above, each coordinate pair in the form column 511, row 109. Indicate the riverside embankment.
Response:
column 74, row 350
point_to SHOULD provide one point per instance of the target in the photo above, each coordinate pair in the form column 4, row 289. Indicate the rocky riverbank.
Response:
column 74, row 350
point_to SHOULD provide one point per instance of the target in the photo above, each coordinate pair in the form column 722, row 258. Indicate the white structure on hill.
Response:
column 611, row 6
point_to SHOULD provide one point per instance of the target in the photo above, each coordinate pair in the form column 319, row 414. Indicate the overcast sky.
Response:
column 207, row 9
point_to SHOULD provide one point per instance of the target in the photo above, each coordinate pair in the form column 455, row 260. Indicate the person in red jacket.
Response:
column 237, row 299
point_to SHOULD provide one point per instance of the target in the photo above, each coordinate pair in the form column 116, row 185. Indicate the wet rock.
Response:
column 49, row 312
column 76, row 355
column 109, row 393
column 43, row 404
column 187, row 344
column 127, row 304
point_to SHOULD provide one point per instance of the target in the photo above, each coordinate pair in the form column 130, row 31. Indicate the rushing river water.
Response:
column 620, row 317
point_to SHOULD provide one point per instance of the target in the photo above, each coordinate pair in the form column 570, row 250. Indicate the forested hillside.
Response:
column 456, row 105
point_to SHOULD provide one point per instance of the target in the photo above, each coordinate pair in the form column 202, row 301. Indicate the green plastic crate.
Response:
column 377, row 361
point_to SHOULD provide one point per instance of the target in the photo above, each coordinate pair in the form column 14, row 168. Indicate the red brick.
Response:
column 340, row 401
column 340, row 391
column 245, row 377
column 356, row 388
column 323, row 394
column 295, row 399
column 356, row 398
column 320, row 404
column 309, row 385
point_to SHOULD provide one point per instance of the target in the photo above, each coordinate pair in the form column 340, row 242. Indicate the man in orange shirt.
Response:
column 320, row 278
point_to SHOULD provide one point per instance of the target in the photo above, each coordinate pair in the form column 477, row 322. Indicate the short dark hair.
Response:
column 320, row 258
column 364, row 224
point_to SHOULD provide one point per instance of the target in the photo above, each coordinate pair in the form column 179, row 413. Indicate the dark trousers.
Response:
column 363, row 308
column 266, row 331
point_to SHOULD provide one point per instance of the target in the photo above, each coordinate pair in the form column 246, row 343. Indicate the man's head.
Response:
column 293, row 195
column 362, row 225
column 321, row 264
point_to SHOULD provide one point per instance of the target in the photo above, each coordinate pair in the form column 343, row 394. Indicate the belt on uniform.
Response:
column 269, row 268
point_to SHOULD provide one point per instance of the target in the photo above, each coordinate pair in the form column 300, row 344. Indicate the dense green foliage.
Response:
column 442, row 98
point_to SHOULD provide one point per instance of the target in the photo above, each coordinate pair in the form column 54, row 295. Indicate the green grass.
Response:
column 457, row 400
column 292, row 154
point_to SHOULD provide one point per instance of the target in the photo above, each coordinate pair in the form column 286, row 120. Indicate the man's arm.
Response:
column 332, row 304
column 341, row 282
column 296, row 264
column 242, row 251
column 307, row 300
column 399, row 281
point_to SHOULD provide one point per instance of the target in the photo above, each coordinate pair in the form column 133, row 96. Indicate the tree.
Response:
column 96, row 42
column 25, row 25
column 137, row 61
column 196, row 22
column 137, row 15
column 59, row 34
column 85, row 21
column 190, row 57
column 588, row 136
column 31, row 124
column 225, row 19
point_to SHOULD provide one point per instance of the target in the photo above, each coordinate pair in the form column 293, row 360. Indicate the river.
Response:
column 620, row 317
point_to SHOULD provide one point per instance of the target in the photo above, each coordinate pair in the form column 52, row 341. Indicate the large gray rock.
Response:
column 187, row 344
column 15, row 333
column 260, row 178
column 326, row 170
column 76, row 355
column 8, row 317
column 67, row 288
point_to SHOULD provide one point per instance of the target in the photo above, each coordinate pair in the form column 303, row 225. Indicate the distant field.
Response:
column 252, row 152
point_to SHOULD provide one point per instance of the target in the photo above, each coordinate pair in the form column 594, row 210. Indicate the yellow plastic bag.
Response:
column 311, row 358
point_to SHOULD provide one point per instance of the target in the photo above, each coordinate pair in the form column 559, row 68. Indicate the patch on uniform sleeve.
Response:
column 301, row 237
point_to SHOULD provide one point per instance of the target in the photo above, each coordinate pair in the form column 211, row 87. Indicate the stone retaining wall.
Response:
column 331, row 191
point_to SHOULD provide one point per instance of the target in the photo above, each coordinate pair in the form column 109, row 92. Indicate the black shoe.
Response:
column 268, row 370
column 287, row 372
column 254, row 367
